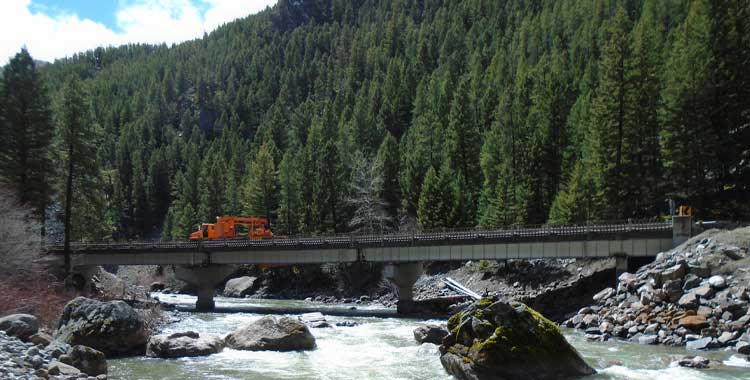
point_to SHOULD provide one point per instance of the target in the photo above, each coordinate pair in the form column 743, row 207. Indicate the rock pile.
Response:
column 497, row 340
column 25, row 361
column 695, row 295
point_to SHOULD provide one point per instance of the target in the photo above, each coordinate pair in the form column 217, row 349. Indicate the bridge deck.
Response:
column 635, row 239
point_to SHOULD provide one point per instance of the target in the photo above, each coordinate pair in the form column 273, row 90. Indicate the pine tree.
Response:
column 689, row 147
column 84, row 211
column 643, row 176
column 609, row 116
column 261, row 184
column 431, row 212
column 27, row 133
column 290, row 204
column 388, row 166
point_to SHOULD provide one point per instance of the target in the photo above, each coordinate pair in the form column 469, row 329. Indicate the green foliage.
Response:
column 261, row 185
column 27, row 130
column 527, row 111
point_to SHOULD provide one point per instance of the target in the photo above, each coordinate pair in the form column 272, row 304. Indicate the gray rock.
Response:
column 86, row 359
column 697, row 362
column 187, row 344
column 239, row 287
column 703, row 291
column 726, row 336
column 648, row 339
column 699, row 344
column 430, row 334
column 113, row 328
column 700, row 270
column 742, row 348
column 604, row 294
column 688, row 301
column 57, row 368
column 717, row 282
column 347, row 324
column 314, row 320
column 271, row 334
column 691, row 281
column 41, row 339
column 21, row 326
column 676, row 272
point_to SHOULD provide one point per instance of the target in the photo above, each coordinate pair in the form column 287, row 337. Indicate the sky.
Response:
column 53, row 29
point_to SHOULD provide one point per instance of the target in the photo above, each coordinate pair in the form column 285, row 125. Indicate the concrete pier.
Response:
column 404, row 276
column 204, row 279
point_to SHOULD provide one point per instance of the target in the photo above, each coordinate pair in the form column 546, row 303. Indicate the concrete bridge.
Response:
column 206, row 264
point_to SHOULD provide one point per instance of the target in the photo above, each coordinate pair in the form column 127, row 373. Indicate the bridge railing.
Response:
column 403, row 237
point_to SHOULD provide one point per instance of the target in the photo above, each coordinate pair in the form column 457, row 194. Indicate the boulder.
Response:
column 693, row 322
column 21, row 326
column 87, row 360
column 604, row 294
column 41, row 339
column 717, row 282
column 57, row 368
column 691, row 281
column 314, row 320
column 697, row 362
column 239, row 287
column 648, row 339
column 688, row 301
column 703, row 291
column 699, row 344
column 272, row 334
column 184, row 344
column 672, row 273
column 521, row 344
column 430, row 334
column 701, row 270
column 742, row 348
column 113, row 328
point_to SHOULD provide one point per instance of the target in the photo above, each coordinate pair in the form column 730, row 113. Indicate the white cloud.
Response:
column 51, row 36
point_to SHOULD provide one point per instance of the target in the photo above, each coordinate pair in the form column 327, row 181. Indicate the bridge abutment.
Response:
column 404, row 276
column 204, row 279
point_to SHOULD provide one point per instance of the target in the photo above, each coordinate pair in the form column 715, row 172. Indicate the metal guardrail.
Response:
column 529, row 233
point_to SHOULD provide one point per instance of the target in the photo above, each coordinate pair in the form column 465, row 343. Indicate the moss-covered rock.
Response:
column 493, row 339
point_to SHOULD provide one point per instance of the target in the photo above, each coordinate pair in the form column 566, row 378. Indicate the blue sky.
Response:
column 53, row 29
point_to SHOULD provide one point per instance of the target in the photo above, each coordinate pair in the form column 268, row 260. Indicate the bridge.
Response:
column 205, row 264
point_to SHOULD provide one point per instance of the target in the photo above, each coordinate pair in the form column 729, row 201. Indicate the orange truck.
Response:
column 233, row 227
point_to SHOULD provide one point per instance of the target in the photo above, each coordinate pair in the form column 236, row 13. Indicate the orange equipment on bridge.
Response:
column 226, row 228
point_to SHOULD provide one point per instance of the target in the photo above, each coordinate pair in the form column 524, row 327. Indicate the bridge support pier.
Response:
column 404, row 276
column 682, row 229
column 204, row 279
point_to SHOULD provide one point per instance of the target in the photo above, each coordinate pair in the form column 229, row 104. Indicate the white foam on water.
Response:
column 737, row 361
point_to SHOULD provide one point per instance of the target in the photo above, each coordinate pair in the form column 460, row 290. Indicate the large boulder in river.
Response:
column 272, row 334
column 430, row 334
column 505, row 341
column 86, row 359
column 113, row 328
column 21, row 326
column 239, row 287
column 184, row 344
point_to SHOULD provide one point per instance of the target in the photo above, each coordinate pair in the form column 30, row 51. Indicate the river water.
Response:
column 381, row 348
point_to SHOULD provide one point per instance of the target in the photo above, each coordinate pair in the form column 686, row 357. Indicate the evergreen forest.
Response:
column 332, row 116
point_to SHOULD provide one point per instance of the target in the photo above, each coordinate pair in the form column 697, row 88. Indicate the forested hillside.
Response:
column 338, row 115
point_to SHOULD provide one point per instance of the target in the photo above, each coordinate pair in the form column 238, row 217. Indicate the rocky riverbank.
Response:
column 696, row 295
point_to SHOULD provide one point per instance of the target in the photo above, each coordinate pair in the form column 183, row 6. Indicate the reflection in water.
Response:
column 384, row 348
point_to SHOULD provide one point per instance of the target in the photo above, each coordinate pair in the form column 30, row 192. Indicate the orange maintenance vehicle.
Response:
column 233, row 227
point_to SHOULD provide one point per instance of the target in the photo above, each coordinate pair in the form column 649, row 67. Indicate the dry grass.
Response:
column 40, row 296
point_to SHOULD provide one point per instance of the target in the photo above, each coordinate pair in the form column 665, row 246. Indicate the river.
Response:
column 380, row 348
